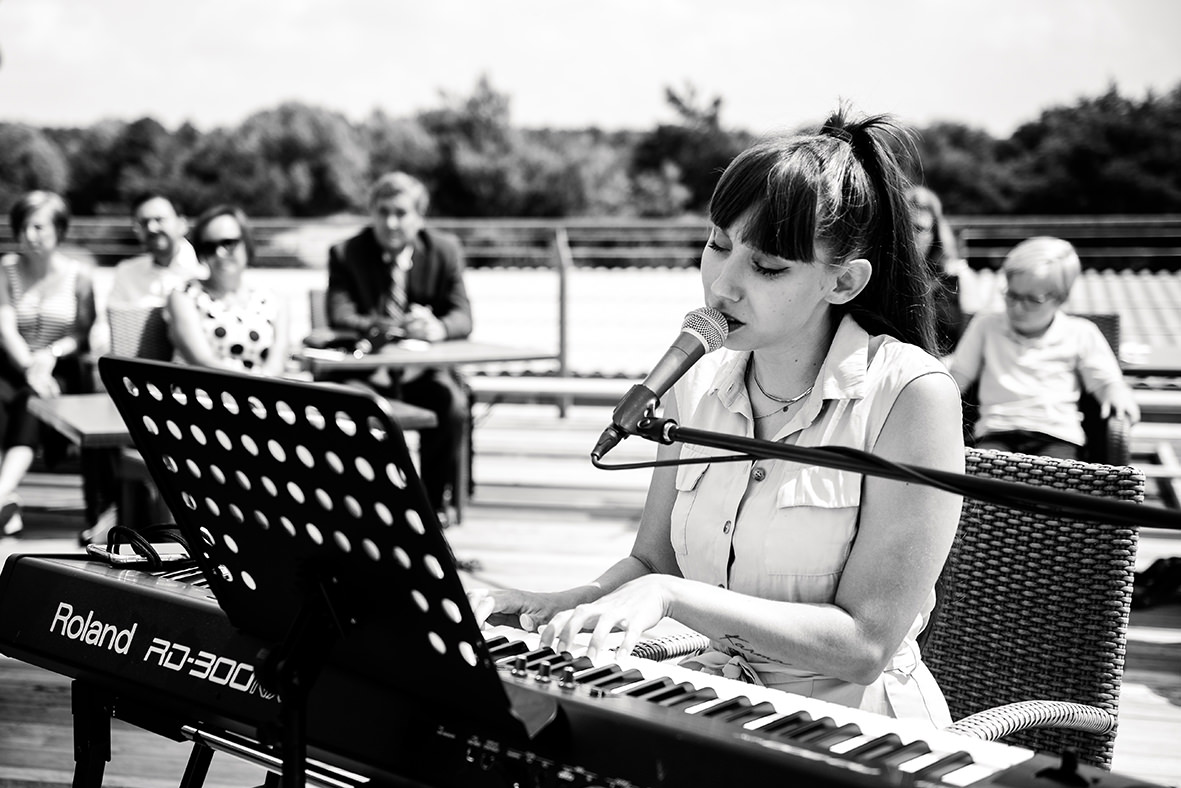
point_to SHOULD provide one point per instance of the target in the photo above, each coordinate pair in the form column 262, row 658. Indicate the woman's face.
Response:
column 922, row 222
column 39, row 235
column 223, row 249
column 768, row 301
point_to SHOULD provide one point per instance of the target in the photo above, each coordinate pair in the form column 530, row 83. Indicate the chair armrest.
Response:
column 996, row 723
column 1118, row 441
column 669, row 646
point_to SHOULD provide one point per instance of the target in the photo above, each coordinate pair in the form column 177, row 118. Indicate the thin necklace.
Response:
column 787, row 403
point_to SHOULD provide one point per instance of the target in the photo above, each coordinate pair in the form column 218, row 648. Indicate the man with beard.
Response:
column 135, row 305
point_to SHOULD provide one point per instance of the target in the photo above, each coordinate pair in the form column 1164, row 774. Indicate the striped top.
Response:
column 43, row 315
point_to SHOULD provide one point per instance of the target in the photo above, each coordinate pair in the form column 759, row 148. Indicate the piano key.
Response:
column 902, row 754
column 838, row 735
column 873, row 749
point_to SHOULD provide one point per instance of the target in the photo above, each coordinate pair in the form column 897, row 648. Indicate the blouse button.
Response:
column 726, row 527
column 758, row 474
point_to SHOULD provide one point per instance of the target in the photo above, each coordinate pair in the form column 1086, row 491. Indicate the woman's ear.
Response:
column 850, row 281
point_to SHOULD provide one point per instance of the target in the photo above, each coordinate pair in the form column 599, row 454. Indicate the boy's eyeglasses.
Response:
column 212, row 246
column 1028, row 300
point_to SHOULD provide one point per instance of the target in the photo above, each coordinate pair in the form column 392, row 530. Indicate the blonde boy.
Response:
column 1031, row 359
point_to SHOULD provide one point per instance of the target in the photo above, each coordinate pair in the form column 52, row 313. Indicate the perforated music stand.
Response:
column 302, row 507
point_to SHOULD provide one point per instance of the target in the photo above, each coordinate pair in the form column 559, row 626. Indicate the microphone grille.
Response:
column 709, row 325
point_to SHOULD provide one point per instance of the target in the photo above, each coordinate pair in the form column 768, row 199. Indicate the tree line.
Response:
column 1108, row 154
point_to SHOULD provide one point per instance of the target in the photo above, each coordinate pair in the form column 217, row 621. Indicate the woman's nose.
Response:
column 725, row 285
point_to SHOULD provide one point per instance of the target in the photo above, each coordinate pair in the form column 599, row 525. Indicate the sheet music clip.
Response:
column 301, row 505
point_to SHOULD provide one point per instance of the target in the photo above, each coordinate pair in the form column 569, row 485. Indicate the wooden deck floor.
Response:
column 541, row 517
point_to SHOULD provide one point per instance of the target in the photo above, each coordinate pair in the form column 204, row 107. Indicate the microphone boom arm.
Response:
column 1026, row 497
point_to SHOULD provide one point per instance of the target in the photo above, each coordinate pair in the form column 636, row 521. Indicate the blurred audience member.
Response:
column 220, row 322
column 1031, row 359
column 936, row 244
column 46, row 314
column 400, row 278
column 141, row 286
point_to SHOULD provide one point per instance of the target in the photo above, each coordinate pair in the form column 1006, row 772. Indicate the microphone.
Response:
column 703, row 331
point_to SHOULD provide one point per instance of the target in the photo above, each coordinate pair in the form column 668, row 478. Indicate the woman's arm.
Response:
column 184, row 328
column 905, row 532
column 78, row 340
column 276, row 363
column 651, row 553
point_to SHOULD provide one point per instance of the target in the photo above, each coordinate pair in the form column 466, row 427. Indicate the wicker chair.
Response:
column 1029, row 637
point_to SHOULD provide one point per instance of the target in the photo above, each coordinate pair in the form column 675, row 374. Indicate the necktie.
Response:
column 395, row 300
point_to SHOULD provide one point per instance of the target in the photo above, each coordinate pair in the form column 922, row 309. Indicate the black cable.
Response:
column 1038, row 500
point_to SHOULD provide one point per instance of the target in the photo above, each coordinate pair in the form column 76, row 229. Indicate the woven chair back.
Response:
column 1036, row 607
column 140, row 332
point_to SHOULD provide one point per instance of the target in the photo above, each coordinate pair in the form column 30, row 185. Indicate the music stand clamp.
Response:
column 303, row 509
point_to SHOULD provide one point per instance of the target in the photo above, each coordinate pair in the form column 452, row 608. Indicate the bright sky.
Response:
column 775, row 63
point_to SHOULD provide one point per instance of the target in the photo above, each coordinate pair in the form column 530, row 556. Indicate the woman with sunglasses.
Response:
column 219, row 322
column 1031, row 359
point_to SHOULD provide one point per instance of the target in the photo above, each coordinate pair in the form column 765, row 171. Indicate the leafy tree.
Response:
column 399, row 144
column 29, row 160
column 315, row 157
column 1109, row 154
column 966, row 168
column 696, row 147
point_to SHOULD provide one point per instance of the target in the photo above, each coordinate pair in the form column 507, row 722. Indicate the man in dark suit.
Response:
column 395, row 278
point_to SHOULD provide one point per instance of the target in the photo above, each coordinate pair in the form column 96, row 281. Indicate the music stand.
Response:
column 302, row 507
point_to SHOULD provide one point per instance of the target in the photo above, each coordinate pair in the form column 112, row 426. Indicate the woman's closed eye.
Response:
column 768, row 273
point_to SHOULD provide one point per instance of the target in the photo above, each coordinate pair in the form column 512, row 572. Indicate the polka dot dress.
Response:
column 241, row 330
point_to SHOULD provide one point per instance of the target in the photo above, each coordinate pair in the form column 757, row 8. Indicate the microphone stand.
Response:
column 1026, row 497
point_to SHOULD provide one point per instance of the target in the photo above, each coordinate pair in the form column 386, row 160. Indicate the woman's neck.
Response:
column 36, row 264
column 786, row 370
column 219, row 289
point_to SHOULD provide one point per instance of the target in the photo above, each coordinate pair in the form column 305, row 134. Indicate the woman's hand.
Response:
column 527, row 609
column 634, row 607
column 40, row 374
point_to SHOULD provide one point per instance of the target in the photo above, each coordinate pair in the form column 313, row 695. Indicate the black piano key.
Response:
column 837, row 735
column 593, row 674
column 755, row 712
column 874, row 748
column 785, row 726
column 495, row 642
column 945, row 765
column 898, row 756
column 728, row 705
column 507, row 650
column 813, row 730
column 648, row 687
column 629, row 676
column 738, row 709
column 531, row 657
column 568, row 660
column 673, row 692
column 691, row 698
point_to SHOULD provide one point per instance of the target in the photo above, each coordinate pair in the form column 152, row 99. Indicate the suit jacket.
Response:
column 358, row 278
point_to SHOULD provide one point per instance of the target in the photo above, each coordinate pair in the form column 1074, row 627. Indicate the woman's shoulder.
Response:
column 898, row 363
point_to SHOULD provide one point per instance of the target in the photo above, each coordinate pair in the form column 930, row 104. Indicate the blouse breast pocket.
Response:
column 814, row 522
column 687, row 483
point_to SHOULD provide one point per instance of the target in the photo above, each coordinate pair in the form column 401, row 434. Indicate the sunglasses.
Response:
column 1028, row 300
column 213, row 246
